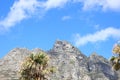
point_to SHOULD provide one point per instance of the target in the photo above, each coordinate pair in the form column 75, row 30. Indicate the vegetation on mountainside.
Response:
column 115, row 60
column 35, row 67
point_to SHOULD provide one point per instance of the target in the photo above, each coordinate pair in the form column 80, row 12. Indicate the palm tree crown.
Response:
column 115, row 60
column 35, row 67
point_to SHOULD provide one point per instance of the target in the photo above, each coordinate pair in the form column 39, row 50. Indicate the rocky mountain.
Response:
column 70, row 63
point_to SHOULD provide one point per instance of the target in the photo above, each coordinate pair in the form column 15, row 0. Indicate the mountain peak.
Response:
column 95, row 57
column 71, row 64
column 62, row 46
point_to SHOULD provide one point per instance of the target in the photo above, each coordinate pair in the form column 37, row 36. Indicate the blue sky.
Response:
column 90, row 25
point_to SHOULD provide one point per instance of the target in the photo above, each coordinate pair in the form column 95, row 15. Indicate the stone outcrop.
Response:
column 71, row 64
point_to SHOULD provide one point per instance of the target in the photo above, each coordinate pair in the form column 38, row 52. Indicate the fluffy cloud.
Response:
column 112, row 4
column 23, row 9
column 104, row 4
column 55, row 3
column 97, row 36
column 20, row 10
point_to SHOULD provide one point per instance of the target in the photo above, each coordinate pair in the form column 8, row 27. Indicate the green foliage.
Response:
column 115, row 60
column 35, row 67
column 112, row 58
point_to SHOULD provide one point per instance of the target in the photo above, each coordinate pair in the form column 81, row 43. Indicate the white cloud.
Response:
column 20, row 10
column 97, row 36
column 112, row 4
column 66, row 18
column 23, row 9
column 55, row 3
column 104, row 4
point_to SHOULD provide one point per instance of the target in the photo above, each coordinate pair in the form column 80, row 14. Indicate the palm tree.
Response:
column 115, row 60
column 35, row 67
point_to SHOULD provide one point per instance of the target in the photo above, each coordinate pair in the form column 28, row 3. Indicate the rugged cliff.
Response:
column 71, row 64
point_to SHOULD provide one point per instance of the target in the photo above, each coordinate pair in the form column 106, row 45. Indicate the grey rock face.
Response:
column 9, row 65
column 70, row 63
column 99, row 66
